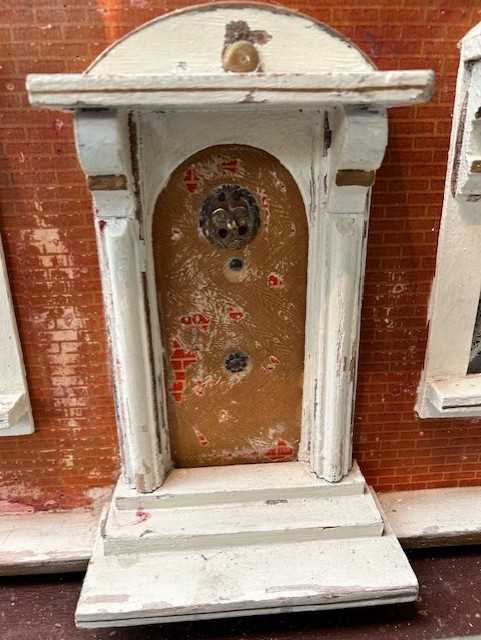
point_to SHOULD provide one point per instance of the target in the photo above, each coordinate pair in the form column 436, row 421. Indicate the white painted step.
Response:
column 281, row 520
column 148, row 588
column 237, row 483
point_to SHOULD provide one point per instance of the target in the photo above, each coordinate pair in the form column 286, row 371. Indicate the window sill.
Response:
column 452, row 397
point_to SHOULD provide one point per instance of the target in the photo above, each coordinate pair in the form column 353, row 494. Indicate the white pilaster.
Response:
column 358, row 142
column 103, row 146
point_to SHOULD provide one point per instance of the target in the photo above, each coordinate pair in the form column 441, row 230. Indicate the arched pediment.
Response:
column 192, row 41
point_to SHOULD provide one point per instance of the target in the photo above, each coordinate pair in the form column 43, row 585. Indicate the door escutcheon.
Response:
column 229, row 216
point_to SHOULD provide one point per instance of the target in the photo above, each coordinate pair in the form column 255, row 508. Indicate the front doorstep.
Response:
column 143, row 588
column 301, row 547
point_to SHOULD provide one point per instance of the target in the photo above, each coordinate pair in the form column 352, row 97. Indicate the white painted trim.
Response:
column 383, row 88
column 15, row 413
column 285, row 42
column 457, row 283
column 104, row 149
column 46, row 542
column 335, row 278
column 434, row 517
column 238, row 484
column 62, row 542
column 455, row 396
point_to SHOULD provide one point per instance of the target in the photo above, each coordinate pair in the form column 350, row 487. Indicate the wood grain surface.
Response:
column 209, row 311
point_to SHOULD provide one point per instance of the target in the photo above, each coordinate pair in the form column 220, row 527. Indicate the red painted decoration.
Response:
column 230, row 165
column 281, row 451
column 235, row 314
column 179, row 361
column 274, row 281
column 191, row 180
column 196, row 320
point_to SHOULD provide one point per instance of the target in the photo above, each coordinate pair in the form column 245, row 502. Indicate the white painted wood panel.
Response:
column 191, row 41
column 15, row 412
column 119, row 240
column 248, row 580
column 434, row 517
column 456, row 394
column 264, row 521
column 46, row 542
column 238, row 483
column 457, row 283
column 383, row 88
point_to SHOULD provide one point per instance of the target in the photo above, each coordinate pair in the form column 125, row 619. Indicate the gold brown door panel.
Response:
column 230, row 247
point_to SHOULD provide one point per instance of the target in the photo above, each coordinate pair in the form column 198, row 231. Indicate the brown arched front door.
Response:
column 230, row 247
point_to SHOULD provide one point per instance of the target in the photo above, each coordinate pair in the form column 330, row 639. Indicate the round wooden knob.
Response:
column 240, row 57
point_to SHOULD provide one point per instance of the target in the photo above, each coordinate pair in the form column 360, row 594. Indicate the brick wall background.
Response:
column 49, row 242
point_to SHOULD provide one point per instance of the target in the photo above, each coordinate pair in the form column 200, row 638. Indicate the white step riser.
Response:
column 151, row 501
column 113, row 546
column 239, row 524
column 238, row 483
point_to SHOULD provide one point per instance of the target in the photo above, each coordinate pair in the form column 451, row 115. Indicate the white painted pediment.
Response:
column 192, row 40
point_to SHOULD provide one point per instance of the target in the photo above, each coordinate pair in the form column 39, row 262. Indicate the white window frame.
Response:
column 446, row 390
column 15, row 412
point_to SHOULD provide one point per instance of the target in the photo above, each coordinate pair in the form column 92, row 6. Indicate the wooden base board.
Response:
column 434, row 517
column 128, row 589
column 45, row 542
column 428, row 518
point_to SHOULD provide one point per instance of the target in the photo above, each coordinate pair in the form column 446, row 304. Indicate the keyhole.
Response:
column 236, row 264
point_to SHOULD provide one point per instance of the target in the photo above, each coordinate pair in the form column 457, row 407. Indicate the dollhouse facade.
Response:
column 154, row 134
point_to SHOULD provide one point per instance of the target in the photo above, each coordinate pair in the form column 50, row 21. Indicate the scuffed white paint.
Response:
column 191, row 41
column 15, row 412
column 457, row 282
column 231, row 92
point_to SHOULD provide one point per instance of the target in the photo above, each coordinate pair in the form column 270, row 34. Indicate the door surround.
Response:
column 139, row 114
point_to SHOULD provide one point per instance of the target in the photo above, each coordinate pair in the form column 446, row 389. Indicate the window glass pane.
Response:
column 475, row 356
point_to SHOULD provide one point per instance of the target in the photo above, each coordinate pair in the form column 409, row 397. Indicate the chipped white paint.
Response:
column 258, row 522
column 434, row 517
column 457, row 283
column 335, row 274
column 316, row 104
column 62, row 542
column 102, row 143
column 46, row 542
column 238, row 483
column 388, row 89
column 15, row 412
column 246, row 580
column 119, row 239
column 190, row 41
column 455, row 396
